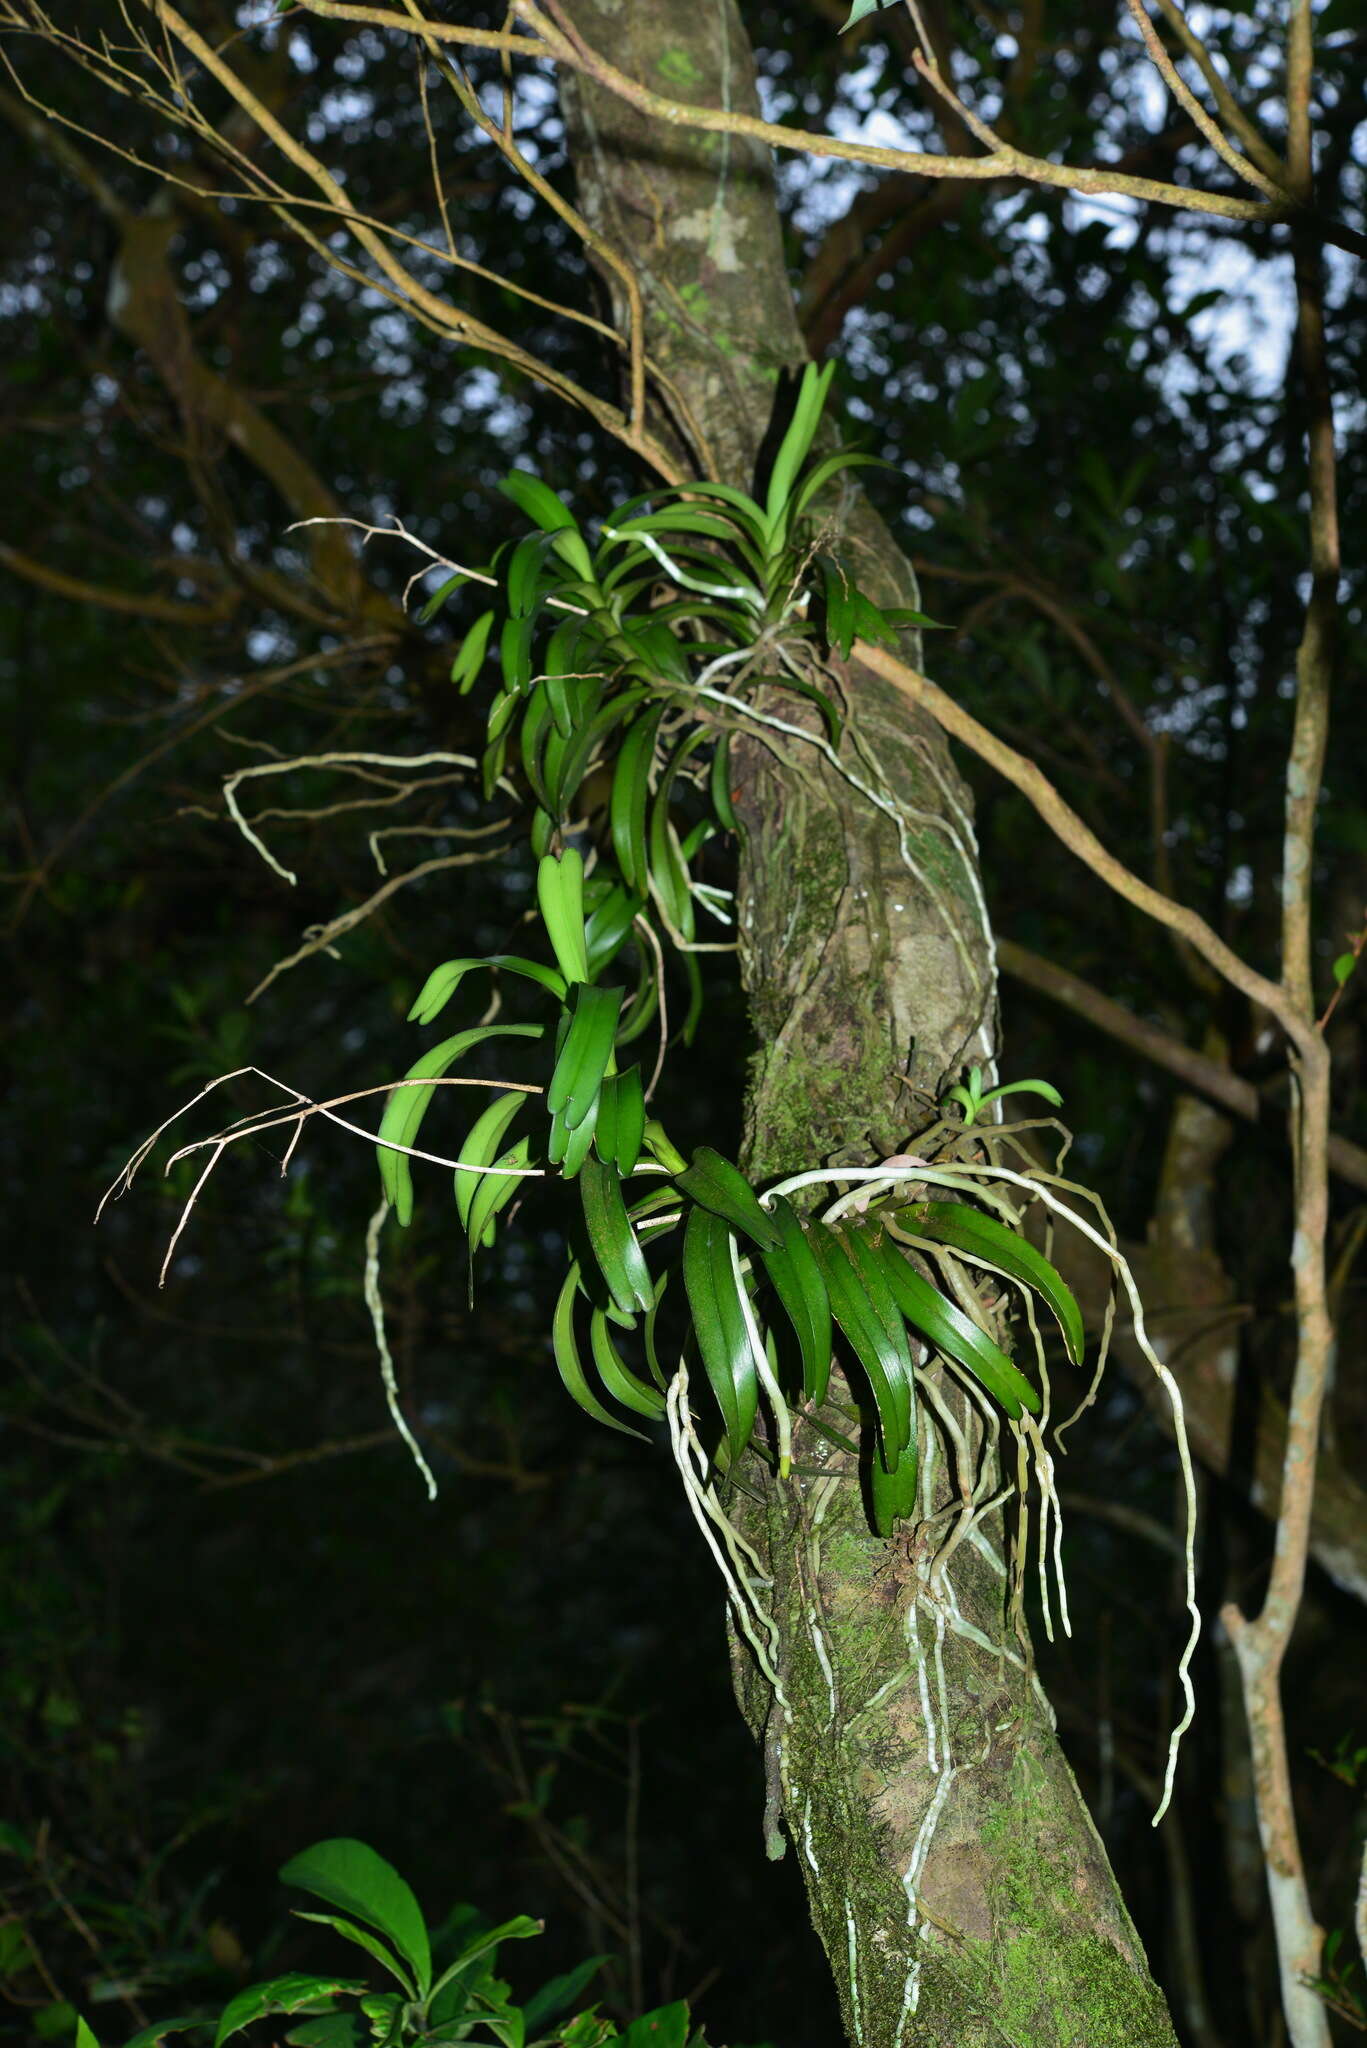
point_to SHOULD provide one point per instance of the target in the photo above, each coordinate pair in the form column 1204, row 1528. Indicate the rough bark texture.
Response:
column 955, row 1878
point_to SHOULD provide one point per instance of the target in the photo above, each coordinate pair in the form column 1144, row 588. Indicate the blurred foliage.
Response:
column 231, row 1622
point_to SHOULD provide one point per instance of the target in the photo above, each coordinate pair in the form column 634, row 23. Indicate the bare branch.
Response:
column 1079, row 838
column 327, row 934
column 1187, row 99
column 1001, row 161
column 1193, row 1069
column 1233, row 115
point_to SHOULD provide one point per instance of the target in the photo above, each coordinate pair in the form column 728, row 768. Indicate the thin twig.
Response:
column 1260, row 1645
column 318, row 941
column 1002, row 160
column 1187, row 99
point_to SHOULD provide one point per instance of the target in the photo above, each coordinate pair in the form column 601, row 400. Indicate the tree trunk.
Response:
column 955, row 1878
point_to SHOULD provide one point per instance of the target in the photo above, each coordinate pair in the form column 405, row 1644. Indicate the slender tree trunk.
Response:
column 955, row 1878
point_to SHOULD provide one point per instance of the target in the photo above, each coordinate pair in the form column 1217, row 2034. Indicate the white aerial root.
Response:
column 1043, row 1187
column 783, row 1421
column 856, row 2020
column 255, row 1122
column 1040, row 1185
column 890, row 810
column 742, row 1573
column 374, row 1301
column 356, row 763
column 946, row 1770
column 746, row 593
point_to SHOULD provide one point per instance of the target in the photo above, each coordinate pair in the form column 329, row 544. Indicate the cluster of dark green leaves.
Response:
column 602, row 653
column 763, row 1292
column 466, row 2000
column 601, row 650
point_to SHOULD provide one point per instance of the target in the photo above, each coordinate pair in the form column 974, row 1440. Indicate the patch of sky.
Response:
column 537, row 126
column 354, row 59
column 266, row 266
column 1184, row 715
column 340, row 108
column 1239, row 887
column 204, row 279
column 301, row 52
column 16, row 299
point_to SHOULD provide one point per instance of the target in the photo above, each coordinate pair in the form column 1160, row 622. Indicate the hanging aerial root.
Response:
column 255, row 1122
column 374, row 1301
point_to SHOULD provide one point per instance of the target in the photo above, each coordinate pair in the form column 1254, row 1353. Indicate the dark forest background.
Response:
column 232, row 1622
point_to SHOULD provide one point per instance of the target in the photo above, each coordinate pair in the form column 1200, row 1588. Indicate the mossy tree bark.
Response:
column 956, row 1881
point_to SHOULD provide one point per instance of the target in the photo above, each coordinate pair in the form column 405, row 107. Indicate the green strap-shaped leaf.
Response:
column 578, row 1143
column 562, row 649
column 494, row 1192
column 721, row 1187
column 630, row 799
column 502, row 711
column 469, row 658
column 560, row 899
column 644, row 1004
column 693, row 1014
column 881, row 1358
column 880, row 1296
column 408, row 1106
column 586, row 1054
column 658, row 1144
column 892, row 1495
column 523, row 580
column 710, row 525
column 796, row 1279
column 480, row 1149
column 493, row 760
column 540, row 503
column 571, row 1367
column 537, row 727
column 719, row 785
column 794, row 448
column 444, row 590
column 840, row 627
column 631, row 1120
column 605, row 1123
column 694, row 496
column 442, row 983
column 821, row 473
column 951, row 1332
column 622, row 1384
column 989, row 1243
column 568, row 697
column 608, row 925
column 515, row 650
column 349, row 1874
column 668, row 868
column 614, row 1243
column 719, row 1324
column 572, row 765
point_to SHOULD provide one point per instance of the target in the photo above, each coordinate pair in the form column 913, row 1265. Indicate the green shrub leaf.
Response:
column 351, row 1875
